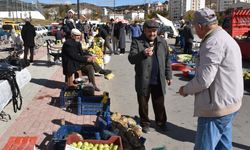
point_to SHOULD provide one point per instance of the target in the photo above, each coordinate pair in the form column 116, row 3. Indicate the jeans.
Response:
column 214, row 133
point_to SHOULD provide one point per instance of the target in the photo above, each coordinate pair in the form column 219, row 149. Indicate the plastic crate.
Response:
column 68, row 97
column 113, row 139
column 20, row 143
column 92, row 105
column 59, row 137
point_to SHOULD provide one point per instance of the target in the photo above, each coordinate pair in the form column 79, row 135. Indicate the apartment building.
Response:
column 177, row 8
column 223, row 5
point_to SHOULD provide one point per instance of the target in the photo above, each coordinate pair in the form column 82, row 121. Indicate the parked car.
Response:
column 167, row 29
column 48, row 27
column 54, row 29
column 9, row 27
column 3, row 33
column 41, row 31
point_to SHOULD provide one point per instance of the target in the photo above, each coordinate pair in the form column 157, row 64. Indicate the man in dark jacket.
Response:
column 104, row 34
column 28, row 35
column 188, row 38
column 75, row 60
column 72, row 57
column 68, row 24
column 149, row 54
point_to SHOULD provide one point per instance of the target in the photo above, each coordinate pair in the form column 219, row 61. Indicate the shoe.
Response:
column 161, row 128
column 105, row 72
column 145, row 129
column 97, row 89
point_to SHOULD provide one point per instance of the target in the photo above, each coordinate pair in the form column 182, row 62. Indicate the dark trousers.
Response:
column 188, row 48
column 90, row 69
column 158, row 106
column 26, row 51
column 122, row 50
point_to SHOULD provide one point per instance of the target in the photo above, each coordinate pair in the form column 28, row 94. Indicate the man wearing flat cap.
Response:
column 149, row 54
column 217, row 85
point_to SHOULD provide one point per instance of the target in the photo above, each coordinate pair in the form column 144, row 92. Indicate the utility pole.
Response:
column 114, row 10
column 78, row 9
column 16, row 11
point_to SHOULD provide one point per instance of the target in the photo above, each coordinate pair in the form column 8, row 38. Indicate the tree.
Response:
column 153, row 14
column 189, row 15
column 62, row 10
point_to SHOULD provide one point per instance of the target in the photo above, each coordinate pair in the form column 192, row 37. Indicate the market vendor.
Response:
column 75, row 60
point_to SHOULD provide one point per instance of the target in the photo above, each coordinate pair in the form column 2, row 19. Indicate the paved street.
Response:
column 182, row 124
column 39, row 117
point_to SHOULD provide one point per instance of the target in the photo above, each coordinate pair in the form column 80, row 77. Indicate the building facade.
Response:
column 134, row 16
column 177, row 8
column 223, row 5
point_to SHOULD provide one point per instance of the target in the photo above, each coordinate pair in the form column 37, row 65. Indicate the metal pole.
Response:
column 78, row 9
column 114, row 10
column 16, row 11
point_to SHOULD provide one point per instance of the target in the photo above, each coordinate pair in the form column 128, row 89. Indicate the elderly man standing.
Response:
column 149, row 54
column 217, row 85
column 28, row 35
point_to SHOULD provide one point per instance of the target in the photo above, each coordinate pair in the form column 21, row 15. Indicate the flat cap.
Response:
column 204, row 16
column 75, row 32
column 150, row 24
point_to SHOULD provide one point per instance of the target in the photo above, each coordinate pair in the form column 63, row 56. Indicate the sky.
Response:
column 100, row 2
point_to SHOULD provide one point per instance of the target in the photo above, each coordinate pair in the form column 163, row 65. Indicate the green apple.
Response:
column 101, row 146
column 79, row 144
column 86, row 144
column 74, row 144
column 115, row 147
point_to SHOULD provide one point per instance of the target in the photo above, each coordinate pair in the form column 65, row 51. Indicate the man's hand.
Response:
column 169, row 82
column 91, row 59
column 149, row 51
column 181, row 91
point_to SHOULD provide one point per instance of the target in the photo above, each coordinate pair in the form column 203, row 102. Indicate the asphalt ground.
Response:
column 46, row 83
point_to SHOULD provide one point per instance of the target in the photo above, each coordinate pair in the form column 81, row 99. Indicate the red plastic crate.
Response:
column 20, row 143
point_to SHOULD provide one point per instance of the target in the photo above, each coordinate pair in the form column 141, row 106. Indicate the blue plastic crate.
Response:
column 68, row 97
column 92, row 105
column 87, row 131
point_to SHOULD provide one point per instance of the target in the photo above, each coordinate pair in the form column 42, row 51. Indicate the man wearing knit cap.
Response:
column 217, row 85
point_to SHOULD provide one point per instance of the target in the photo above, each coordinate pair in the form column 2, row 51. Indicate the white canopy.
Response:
column 167, row 22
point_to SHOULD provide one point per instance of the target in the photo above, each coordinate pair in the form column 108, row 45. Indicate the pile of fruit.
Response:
column 91, row 146
column 97, row 51
column 184, row 58
column 129, row 131
column 246, row 75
